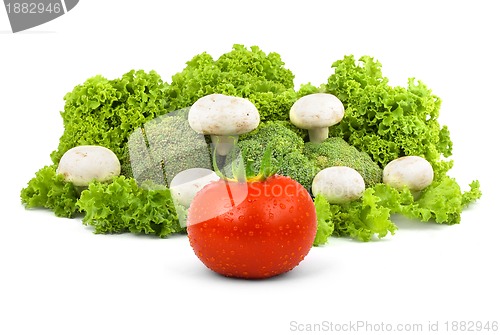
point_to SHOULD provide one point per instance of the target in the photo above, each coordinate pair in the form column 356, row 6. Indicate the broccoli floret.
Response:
column 164, row 147
column 298, row 167
column 279, row 134
column 286, row 146
column 334, row 151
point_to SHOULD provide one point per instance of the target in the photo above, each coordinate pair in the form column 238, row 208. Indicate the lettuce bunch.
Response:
column 123, row 206
column 248, row 73
column 388, row 122
column 104, row 112
column 442, row 202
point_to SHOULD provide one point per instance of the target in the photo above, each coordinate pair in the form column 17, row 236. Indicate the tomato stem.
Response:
column 243, row 172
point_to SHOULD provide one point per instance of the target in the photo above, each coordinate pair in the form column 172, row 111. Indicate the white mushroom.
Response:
column 83, row 164
column 187, row 183
column 338, row 184
column 412, row 171
column 223, row 117
column 316, row 113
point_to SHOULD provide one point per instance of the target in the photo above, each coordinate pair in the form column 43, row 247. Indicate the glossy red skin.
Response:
column 256, row 230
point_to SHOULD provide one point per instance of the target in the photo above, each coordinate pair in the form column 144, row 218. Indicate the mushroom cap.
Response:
column 317, row 110
column 82, row 164
column 338, row 184
column 187, row 183
column 415, row 172
column 219, row 114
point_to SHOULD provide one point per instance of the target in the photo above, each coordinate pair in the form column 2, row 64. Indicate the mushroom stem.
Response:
column 318, row 135
column 223, row 143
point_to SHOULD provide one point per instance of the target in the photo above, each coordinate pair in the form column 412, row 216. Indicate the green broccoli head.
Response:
column 334, row 151
column 286, row 146
column 165, row 146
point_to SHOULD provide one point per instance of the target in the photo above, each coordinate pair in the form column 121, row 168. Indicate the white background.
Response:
column 57, row 277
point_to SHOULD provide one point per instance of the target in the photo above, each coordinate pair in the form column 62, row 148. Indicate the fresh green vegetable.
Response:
column 336, row 152
column 388, row 122
column 165, row 146
column 104, row 112
column 247, row 73
column 443, row 201
column 325, row 220
column 286, row 146
column 362, row 219
column 122, row 206
column 49, row 190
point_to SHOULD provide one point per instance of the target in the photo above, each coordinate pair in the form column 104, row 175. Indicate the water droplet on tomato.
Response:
column 250, row 233
column 257, row 226
column 271, row 216
column 290, row 210
column 228, row 220
column 241, row 217
column 282, row 206
column 235, row 228
column 226, row 238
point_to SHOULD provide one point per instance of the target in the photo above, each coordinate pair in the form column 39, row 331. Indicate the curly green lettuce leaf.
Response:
column 248, row 73
column 443, row 202
column 325, row 220
column 122, row 206
column 363, row 219
column 388, row 122
column 49, row 190
column 105, row 112
column 472, row 195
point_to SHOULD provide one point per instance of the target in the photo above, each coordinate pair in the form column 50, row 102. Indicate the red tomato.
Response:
column 252, row 230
